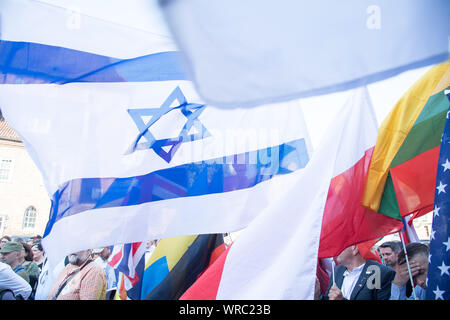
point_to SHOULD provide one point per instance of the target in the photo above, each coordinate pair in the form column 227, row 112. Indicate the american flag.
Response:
column 438, row 279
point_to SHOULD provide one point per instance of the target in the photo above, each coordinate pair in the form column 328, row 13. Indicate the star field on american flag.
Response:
column 438, row 279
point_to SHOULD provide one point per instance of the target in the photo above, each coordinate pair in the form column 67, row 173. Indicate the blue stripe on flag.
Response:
column 212, row 176
column 135, row 292
column 26, row 63
column 404, row 225
column 153, row 275
column 124, row 263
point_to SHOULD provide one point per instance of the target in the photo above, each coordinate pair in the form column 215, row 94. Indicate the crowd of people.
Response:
column 86, row 275
column 26, row 275
column 402, row 276
column 25, row 260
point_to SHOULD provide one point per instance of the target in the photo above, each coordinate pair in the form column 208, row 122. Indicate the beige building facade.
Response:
column 24, row 202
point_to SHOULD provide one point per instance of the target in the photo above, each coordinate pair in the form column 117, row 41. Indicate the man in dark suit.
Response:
column 359, row 279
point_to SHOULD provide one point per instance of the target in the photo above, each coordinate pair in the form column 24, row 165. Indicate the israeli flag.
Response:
column 127, row 150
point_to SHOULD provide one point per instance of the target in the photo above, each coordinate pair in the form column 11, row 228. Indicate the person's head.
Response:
column 38, row 251
column 4, row 240
column 106, row 252
column 417, row 252
column 389, row 252
column 80, row 257
column 151, row 243
column 103, row 253
column 27, row 253
column 11, row 253
column 350, row 257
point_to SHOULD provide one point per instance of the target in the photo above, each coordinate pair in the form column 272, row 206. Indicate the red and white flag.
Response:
column 409, row 233
column 275, row 257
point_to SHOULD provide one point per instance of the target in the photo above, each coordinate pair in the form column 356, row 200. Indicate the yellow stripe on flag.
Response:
column 444, row 82
column 396, row 127
column 172, row 248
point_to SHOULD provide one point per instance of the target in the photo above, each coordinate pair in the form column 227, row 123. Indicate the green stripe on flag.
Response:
column 389, row 205
column 427, row 130
column 435, row 104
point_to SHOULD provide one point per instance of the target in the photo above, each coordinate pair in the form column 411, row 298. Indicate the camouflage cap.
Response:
column 11, row 247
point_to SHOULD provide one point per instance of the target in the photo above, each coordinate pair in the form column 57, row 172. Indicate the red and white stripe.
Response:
column 409, row 233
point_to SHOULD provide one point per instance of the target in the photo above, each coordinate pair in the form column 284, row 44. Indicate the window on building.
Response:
column 29, row 219
column 5, row 169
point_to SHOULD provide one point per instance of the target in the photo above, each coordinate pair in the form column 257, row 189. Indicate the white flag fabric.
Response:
column 276, row 256
column 247, row 53
column 409, row 232
column 127, row 150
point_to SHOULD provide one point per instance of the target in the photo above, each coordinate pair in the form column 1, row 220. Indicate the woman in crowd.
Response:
column 38, row 254
column 30, row 266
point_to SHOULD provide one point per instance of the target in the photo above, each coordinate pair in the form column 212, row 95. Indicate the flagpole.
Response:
column 407, row 263
column 332, row 270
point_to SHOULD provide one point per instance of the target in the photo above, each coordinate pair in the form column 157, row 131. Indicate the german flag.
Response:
column 402, row 174
column 176, row 264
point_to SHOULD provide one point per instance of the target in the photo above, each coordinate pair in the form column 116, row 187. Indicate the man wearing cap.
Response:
column 80, row 279
column 11, row 253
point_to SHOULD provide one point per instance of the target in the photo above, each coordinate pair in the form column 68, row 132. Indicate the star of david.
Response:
column 190, row 110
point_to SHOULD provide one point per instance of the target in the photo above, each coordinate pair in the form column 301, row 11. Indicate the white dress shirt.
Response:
column 10, row 280
column 350, row 279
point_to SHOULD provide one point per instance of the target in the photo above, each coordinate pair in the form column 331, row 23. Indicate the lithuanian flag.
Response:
column 402, row 173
